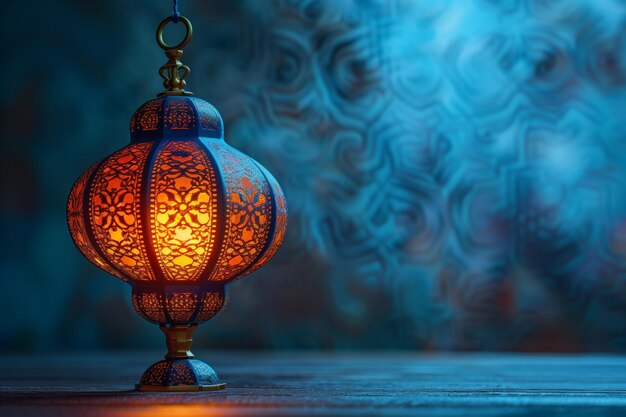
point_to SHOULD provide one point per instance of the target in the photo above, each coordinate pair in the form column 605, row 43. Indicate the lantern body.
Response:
column 177, row 213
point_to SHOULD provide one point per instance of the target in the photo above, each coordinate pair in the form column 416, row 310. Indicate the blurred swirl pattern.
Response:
column 455, row 171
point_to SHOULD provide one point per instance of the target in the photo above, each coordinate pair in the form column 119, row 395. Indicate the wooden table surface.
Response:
column 311, row 383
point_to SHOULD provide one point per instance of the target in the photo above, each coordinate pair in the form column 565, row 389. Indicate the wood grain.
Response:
column 307, row 383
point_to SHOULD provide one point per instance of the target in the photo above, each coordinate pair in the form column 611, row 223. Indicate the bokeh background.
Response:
column 455, row 170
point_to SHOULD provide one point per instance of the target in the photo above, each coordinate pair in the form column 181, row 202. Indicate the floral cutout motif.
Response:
column 178, row 307
column 280, row 226
column 114, row 209
column 211, row 305
column 209, row 118
column 150, row 306
column 181, row 306
column 76, row 224
column 248, row 210
column 146, row 118
column 184, row 212
column 179, row 115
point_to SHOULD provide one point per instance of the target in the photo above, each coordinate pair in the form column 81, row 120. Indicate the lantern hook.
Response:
column 174, row 71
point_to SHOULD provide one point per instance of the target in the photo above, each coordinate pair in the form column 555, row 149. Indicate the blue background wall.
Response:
column 455, row 170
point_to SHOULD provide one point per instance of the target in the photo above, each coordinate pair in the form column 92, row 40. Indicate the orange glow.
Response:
column 224, row 409
column 114, row 211
column 180, row 213
column 185, row 211
column 184, row 215
column 76, row 224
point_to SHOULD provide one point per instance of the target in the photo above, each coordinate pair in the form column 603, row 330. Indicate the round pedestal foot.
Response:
column 179, row 375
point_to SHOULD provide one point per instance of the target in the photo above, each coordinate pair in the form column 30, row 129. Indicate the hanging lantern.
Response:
column 178, row 214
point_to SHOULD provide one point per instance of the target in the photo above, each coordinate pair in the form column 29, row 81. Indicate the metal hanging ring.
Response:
column 159, row 33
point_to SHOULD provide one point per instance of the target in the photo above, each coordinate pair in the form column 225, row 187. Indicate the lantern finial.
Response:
column 174, row 72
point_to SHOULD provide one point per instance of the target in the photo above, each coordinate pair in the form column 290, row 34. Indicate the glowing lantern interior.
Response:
column 177, row 205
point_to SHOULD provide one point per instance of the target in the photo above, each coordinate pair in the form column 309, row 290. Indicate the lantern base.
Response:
column 179, row 375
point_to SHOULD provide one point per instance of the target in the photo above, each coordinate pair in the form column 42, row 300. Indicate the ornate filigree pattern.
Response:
column 184, row 212
column 153, row 212
column 147, row 117
column 181, row 374
column 209, row 118
column 248, row 212
column 172, row 372
column 76, row 224
column 178, row 307
column 179, row 115
column 181, row 306
column 156, row 374
column 211, row 305
column 154, row 119
column 281, row 222
column 150, row 306
column 115, row 212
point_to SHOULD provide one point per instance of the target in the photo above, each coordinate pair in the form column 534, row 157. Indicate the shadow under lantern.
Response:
column 178, row 214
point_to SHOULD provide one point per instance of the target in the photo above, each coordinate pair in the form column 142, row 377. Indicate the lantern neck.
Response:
column 174, row 72
column 178, row 338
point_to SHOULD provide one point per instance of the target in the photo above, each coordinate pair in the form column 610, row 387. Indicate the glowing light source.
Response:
column 178, row 214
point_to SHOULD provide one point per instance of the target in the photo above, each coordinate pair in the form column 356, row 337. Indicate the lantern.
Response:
column 178, row 214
